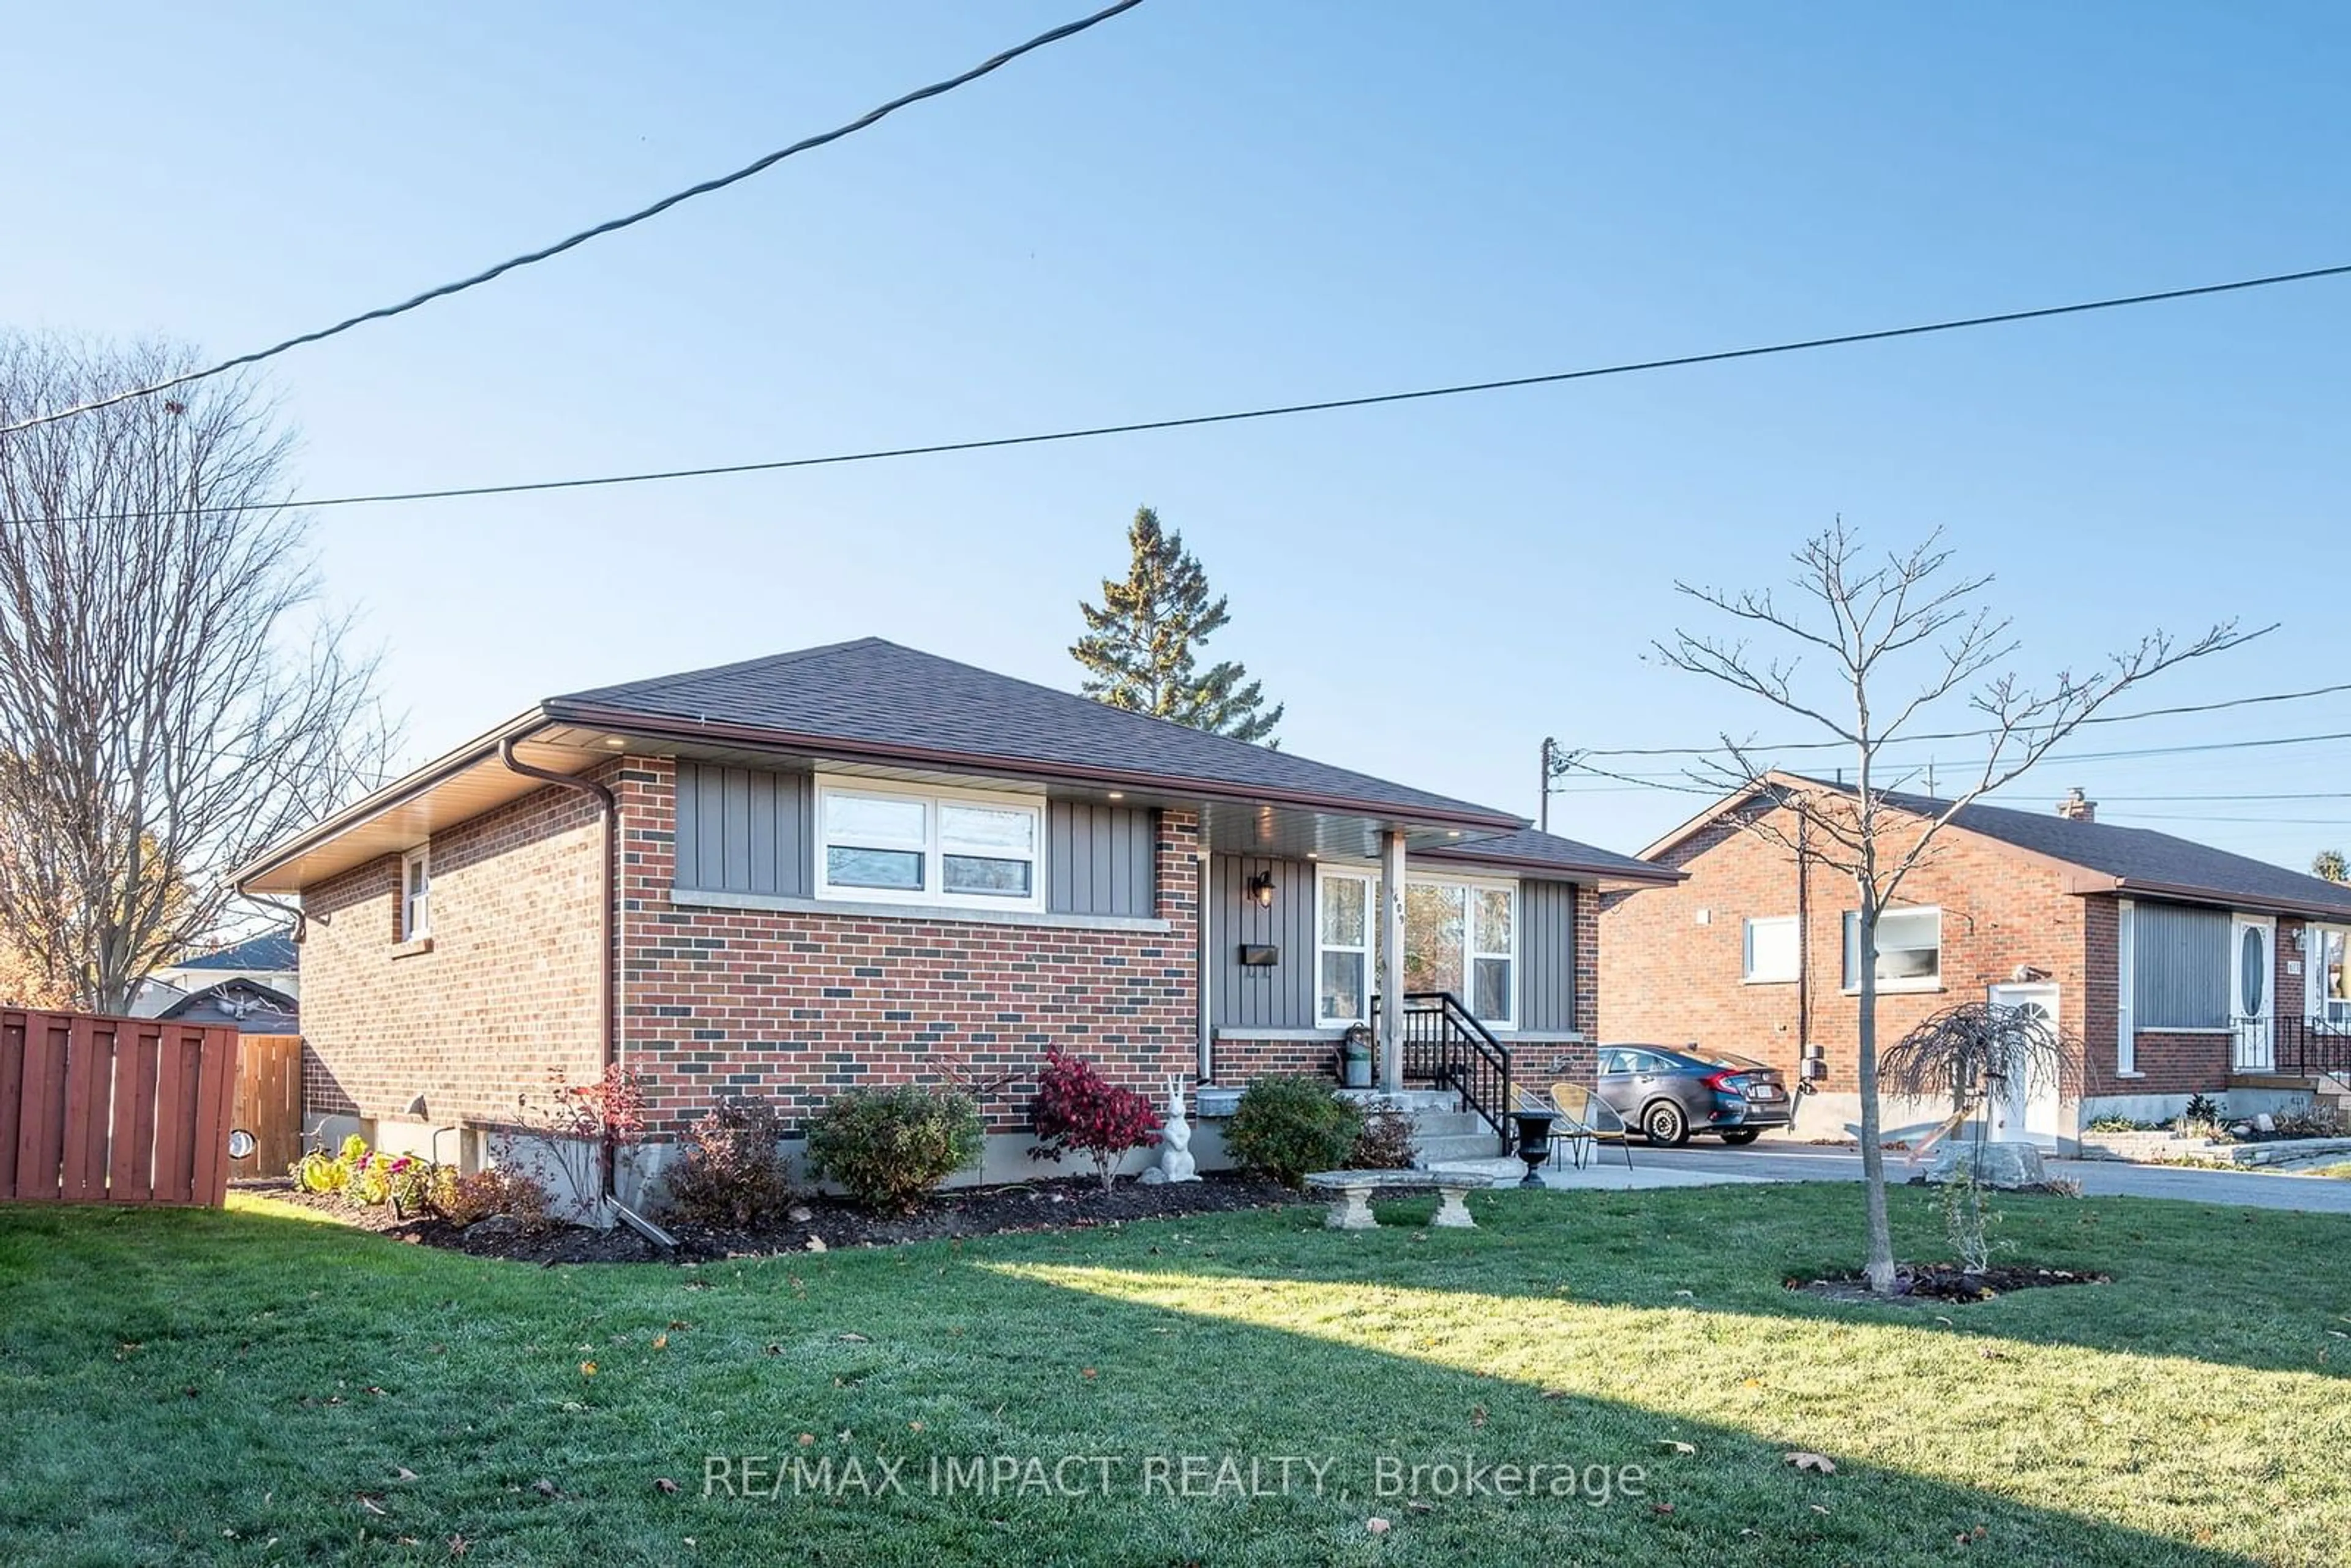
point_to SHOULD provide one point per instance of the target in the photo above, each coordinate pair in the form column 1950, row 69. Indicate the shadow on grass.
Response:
column 2259, row 1288
column 325, row 1362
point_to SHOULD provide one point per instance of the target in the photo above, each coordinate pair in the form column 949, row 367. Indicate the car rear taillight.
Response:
column 1727, row 1083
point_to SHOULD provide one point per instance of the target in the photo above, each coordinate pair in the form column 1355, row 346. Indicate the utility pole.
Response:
column 1550, row 751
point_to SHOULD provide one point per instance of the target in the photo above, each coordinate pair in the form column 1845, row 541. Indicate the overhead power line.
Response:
column 1685, row 784
column 2207, row 746
column 1274, row 411
column 2259, row 821
column 1967, row 734
column 2232, row 798
column 612, row 226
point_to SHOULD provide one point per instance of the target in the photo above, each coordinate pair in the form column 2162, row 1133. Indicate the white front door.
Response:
column 2026, row 1108
column 2251, row 963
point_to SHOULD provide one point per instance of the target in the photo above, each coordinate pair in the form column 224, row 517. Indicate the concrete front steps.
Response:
column 1444, row 1137
column 1443, row 1132
column 2327, row 1090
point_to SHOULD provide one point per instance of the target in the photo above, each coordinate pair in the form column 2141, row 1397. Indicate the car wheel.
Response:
column 1663, row 1125
column 1742, row 1136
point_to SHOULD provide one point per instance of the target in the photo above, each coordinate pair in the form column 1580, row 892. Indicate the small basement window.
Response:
column 416, row 893
column 1910, row 950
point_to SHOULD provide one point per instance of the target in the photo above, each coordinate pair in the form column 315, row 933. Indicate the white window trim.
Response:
column 1746, row 975
column 411, row 928
column 2313, row 972
column 1370, row 877
column 933, row 892
column 1894, row 988
column 1371, row 880
column 2127, row 990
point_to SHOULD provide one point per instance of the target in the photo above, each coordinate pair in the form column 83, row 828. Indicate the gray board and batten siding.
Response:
column 744, row 830
column 751, row 831
column 1278, row 996
column 1547, row 956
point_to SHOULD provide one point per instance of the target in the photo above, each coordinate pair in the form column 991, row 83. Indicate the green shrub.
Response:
column 887, row 1147
column 1287, row 1126
column 727, row 1170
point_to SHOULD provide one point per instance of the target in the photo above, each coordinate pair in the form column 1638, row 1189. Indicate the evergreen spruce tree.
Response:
column 1143, row 642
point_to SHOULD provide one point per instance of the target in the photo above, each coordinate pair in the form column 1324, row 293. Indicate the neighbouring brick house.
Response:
column 2174, row 968
column 864, row 866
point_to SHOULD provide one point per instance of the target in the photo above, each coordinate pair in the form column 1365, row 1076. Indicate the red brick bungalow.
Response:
column 2177, row 968
column 864, row 865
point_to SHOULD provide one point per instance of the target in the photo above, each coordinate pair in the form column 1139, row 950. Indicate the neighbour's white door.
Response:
column 2027, row 1110
column 2251, row 962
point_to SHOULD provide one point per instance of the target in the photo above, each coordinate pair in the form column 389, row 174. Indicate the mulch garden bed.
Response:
column 1945, row 1282
column 1061, row 1204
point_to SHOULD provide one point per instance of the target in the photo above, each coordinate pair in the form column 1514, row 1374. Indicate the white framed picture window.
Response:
column 1910, row 949
column 955, row 848
column 1461, row 936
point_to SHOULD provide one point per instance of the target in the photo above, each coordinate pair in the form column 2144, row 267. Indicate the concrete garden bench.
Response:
column 1351, row 1194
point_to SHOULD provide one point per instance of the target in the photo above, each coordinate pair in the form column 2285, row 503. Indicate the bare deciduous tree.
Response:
column 1899, row 636
column 169, row 702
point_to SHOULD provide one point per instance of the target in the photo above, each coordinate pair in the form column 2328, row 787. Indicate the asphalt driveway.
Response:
column 1779, row 1161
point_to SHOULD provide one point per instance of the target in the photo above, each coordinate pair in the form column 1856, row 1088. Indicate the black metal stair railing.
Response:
column 2314, row 1047
column 1445, row 1047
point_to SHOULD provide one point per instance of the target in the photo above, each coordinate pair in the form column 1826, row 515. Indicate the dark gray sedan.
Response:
column 1669, row 1094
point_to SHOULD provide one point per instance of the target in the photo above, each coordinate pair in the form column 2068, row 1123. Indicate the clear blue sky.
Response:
column 1209, row 205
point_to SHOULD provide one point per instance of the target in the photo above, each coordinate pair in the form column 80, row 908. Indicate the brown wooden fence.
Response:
column 113, row 1109
column 268, row 1102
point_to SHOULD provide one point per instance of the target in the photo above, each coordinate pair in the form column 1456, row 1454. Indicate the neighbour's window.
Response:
column 1910, row 949
column 1772, row 950
column 2330, row 974
column 975, row 850
column 416, row 893
column 1460, row 938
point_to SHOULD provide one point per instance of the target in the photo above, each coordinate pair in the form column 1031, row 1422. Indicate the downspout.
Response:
column 1803, row 964
column 1803, row 930
column 300, row 916
column 608, row 806
column 1204, row 966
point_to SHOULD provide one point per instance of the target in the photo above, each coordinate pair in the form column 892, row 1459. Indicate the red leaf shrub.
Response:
column 1081, row 1111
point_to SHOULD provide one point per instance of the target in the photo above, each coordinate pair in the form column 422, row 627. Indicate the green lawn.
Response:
column 251, row 1387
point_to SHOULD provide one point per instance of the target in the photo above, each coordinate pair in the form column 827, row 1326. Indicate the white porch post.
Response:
column 1391, row 960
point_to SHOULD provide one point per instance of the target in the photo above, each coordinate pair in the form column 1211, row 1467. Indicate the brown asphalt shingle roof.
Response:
column 2138, row 857
column 875, row 696
column 1539, row 851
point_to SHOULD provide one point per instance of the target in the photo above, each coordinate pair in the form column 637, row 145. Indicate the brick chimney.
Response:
column 2075, row 808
